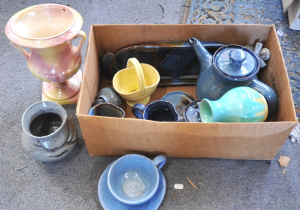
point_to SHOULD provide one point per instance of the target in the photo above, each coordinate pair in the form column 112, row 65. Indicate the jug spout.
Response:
column 205, row 58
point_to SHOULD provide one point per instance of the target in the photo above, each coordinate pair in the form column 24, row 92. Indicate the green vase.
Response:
column 241, row 104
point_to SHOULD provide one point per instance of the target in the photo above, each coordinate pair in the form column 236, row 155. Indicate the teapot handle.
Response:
column 268, row 93
column 140, row 74
column 25, row 53
column 83, row 38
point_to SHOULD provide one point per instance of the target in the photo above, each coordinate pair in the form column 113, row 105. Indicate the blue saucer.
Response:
column 108, row 201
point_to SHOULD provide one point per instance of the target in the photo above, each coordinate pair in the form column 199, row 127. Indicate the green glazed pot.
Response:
column 241, row 104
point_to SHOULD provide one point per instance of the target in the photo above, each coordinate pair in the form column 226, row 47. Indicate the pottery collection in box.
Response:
column 224, row 77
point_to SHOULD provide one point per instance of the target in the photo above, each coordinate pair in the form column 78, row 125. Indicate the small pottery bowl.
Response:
column 179, row 99
column 192, row 112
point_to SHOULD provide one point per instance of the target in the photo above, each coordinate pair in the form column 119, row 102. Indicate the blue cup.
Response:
column 157, row 110
column 133, row 179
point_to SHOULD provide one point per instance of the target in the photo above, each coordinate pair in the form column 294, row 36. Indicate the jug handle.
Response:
column 268, row 93
column 25, row 53
column 138, row 110
column 83, row 38
column 140, row 74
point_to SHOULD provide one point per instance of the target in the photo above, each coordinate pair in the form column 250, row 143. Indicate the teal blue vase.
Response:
column 241, row 104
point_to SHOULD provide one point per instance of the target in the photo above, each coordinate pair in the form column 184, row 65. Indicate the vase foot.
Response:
column 64, row 94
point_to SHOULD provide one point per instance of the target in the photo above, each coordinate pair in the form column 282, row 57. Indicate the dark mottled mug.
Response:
column 107, row 110
column 158, row 111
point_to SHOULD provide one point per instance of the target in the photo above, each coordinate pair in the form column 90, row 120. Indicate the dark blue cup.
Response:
column 157, row 111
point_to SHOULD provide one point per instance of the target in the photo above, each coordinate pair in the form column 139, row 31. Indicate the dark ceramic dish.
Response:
column 179, row 99
column 176, row 61
column 192, row 112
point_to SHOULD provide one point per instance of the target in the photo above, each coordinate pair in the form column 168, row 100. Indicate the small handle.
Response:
column 25, row 53
column 83, row 38
column 140, row 74
column 159, row 161
column 137, row 110
column 268, row 93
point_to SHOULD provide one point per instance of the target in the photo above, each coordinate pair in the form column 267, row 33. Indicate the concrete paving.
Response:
column 72, row 182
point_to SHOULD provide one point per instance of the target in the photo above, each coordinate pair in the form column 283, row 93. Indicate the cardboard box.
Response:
column 114, row 136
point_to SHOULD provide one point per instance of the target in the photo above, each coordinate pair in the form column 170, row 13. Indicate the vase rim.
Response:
column 35, row 114
column 43, row 38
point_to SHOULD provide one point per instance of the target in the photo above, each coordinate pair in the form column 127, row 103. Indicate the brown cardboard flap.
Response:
column 224, row 140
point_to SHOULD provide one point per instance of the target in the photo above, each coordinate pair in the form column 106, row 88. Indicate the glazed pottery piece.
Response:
column 241, row 104
column 109, row 95
column 133, row 179
column 47, row 31
column 98, row 101
column 157, row 111
column 108, row 201
column 175, row 61
column 231, row 66
column 192, row 112
column 107, row 110
column 48, row 134
column 179, row 99
column 136, row 82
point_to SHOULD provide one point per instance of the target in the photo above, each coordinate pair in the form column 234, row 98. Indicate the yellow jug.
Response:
column 136, row 82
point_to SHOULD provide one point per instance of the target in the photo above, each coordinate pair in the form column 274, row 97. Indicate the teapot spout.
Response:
column 204, row 57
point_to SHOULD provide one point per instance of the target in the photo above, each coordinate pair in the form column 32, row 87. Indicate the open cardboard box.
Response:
column 114, row 136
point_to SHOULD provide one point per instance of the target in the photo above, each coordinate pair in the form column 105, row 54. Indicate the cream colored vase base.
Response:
column 62, row 98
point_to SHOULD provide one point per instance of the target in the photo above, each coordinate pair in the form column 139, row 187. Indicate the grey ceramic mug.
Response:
column 157, row 111
column 107, row 110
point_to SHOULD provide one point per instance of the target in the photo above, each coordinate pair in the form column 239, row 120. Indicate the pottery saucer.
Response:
column 192, row 112
column 179, row 99
column 108, row 201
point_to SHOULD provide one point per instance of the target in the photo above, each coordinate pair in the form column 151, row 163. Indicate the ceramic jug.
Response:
column 231, row 66
column 44, row 34
column 241, row 104
column 48, row 134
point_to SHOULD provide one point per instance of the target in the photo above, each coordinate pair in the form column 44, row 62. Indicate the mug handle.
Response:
column 140, row 74
column 137, row 110
column 267, row 92
column 159, row 161
column 83, row 38
column 25, row 53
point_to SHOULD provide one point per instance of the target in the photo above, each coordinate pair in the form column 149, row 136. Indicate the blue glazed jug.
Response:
column 231, row 66
column 241, row 104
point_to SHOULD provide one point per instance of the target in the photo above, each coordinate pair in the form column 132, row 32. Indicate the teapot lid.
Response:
column 236, row 62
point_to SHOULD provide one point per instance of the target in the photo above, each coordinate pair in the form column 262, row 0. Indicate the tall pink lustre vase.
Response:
column 44, row 34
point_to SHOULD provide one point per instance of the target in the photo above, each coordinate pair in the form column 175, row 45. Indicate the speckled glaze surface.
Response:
column 52, row 136
column 47, row 31
column 241, row 104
